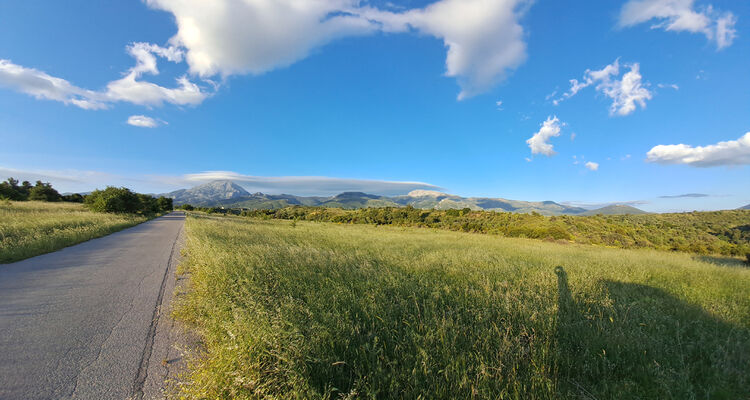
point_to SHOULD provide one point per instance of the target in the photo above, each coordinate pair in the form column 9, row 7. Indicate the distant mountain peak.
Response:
column 209, row 193
column 425, row 193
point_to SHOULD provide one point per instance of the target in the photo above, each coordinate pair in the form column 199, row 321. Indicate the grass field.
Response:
column 316, row 310
column 30, row 228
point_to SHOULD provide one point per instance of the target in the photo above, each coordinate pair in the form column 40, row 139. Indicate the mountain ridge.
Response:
column 230, row 195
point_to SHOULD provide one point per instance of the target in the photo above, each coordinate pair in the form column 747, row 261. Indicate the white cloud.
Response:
column 538, row 143
column 228, row 37
column 484, row 42
column 79, row 181
column 681, row 15
column 223, row 37
column 592, row 166
column 483, row 37
column 307, row 185
column 128, row 89
column 731, row 152
column 143, row 121
column 43, row 86
column 668, row 85
column 626, row 93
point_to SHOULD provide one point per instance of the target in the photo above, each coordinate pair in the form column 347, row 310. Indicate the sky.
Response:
column 644, row 102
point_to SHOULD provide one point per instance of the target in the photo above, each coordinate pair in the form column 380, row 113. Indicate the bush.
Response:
column 12, row 191
column 44, row 192
column 114, row 200
column 165, row 203
column 123, row 200
column 73, row 198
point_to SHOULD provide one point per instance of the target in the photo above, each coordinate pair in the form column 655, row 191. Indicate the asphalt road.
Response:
column 80, row 322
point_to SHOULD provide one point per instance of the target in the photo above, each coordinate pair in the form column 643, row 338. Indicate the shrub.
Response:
column 44, row 192
column 114, row 200
column 73, row 198
column 164, row 203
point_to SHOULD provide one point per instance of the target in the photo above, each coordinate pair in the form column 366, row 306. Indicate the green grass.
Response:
column 30, row 228
column 317, row 310
column 712, row 232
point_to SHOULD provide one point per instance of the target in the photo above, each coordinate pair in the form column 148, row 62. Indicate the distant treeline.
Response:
column 12, row 190
column 714, row 232
column 112, row 199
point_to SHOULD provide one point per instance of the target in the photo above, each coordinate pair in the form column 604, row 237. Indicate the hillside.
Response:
column 615, row 209
column 208, row 194
column 747, row 207
column 713, row 232
column 230, row 195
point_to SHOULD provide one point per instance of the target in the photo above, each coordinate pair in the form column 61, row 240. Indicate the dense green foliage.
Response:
column 123, row 200
column 327, row 311
column 715, row 232
column 11, row 190
column 30, row 228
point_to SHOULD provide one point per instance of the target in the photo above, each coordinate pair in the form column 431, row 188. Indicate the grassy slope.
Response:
column 713, row 232
column 31, row 228
column 318, row 310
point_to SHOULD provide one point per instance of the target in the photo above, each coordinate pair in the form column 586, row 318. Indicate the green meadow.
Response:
column 315, row 310
column 30, row 228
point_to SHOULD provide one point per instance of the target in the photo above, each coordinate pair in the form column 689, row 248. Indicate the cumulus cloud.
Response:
column 626, row 93
column 228, row 37
column 592, row 166
column 730, row 152
column 143, row 121
column 483, row 38
column 130, row 88
column 679, row 16
column 539, row 142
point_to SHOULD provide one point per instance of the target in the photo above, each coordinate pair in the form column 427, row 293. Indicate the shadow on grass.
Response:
column 635, row 341
column 724, row 261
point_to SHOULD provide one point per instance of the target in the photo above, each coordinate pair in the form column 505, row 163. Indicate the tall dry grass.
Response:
column 322, row 311
column 30, row 228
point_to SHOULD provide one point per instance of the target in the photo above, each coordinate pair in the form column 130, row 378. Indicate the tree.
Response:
column 10, row 190
column 24, row 189
column 165, row 203
column 114, row 200
column 44, row 192
column 73, row 198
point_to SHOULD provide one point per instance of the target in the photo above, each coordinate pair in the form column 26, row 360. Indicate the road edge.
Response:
column 171, row 339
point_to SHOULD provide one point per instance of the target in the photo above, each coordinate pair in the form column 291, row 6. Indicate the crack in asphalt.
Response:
column 142, row 373
column 109, row 335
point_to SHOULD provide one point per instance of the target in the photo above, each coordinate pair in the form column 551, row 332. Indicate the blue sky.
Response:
column 384, row 97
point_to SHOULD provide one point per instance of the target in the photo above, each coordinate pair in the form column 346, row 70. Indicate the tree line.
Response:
column 712, row 232
column 111, row 199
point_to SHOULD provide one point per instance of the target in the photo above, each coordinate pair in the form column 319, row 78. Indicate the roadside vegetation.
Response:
column 37, row 219
column 714, row 232
column 31, row 228
column 296, row 309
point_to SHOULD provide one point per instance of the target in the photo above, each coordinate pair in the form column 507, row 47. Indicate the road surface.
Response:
column 81, row 322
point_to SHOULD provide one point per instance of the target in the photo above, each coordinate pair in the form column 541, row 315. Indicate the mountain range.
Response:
column 230, row 195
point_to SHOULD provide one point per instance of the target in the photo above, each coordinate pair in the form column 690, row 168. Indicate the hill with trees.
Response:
column 228, row 194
